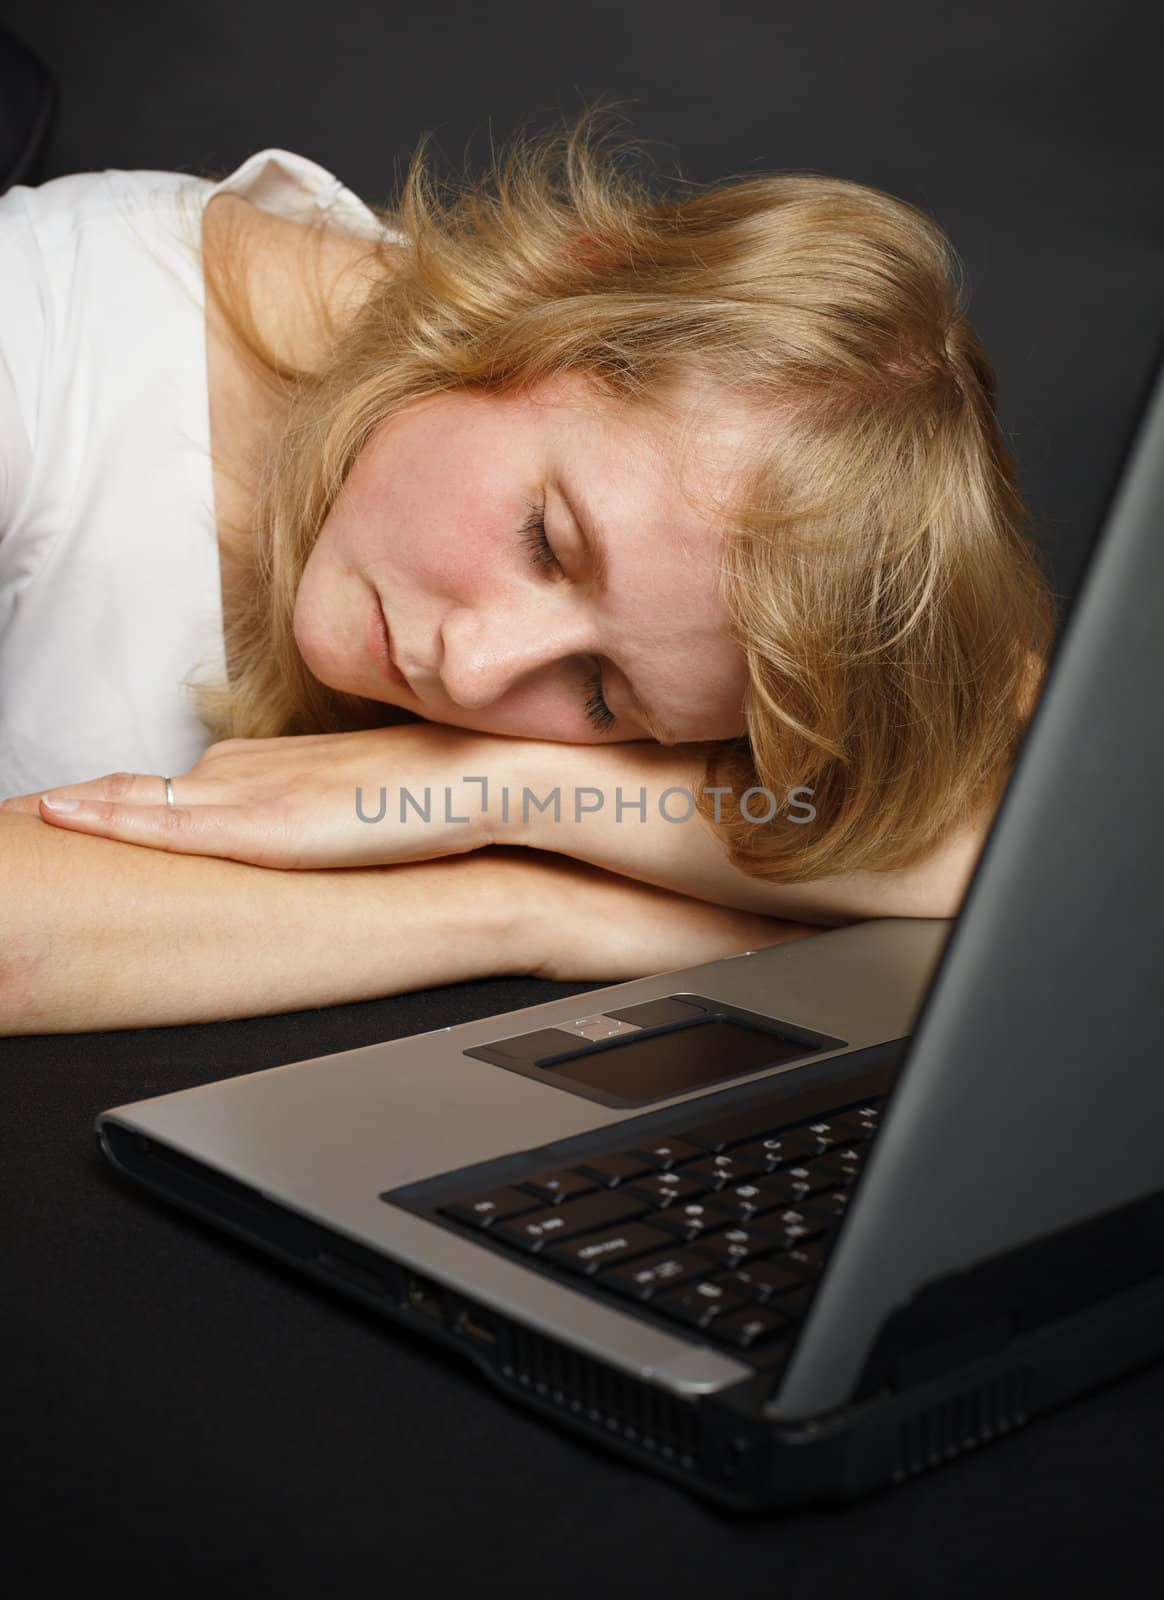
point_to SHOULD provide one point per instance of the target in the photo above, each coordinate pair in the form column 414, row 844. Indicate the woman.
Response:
column 672, row 542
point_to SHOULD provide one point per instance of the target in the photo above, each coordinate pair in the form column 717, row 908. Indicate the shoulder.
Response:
column 25, row 338
column 230, row 219
column 291, row 273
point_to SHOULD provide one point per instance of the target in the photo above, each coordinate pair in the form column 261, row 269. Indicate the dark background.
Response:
column 180, row 1412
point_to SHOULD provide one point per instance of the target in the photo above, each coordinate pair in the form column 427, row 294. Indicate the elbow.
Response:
column 938, row 888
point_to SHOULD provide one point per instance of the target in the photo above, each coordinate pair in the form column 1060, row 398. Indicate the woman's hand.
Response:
column 306, row 801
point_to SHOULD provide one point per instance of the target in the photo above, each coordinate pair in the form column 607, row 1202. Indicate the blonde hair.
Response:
column 878, row 571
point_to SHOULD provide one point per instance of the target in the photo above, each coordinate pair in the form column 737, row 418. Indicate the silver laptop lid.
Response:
column 1033, row 1094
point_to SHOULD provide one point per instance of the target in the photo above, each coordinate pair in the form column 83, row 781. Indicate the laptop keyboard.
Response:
column 722, row 1227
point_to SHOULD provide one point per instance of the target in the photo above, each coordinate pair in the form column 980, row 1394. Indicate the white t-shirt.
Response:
column 110, row 592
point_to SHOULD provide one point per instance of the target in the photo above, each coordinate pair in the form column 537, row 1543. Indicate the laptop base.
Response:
column 720, row 1447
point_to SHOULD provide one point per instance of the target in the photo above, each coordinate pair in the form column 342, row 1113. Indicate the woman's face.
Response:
column 489, row 630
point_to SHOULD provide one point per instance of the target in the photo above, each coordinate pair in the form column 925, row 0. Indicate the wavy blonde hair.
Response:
column 878, row 571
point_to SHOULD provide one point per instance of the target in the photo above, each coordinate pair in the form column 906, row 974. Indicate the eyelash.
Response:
column 541, row 556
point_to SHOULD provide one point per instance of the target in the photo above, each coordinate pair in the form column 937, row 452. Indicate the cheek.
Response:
column 330, row 621
column 435, row 544
column 309, row 620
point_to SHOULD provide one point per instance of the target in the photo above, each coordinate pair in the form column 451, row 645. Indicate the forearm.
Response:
column 687, row 855
column 100, row 935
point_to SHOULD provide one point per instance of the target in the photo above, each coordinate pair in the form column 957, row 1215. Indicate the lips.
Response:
column 381, row 645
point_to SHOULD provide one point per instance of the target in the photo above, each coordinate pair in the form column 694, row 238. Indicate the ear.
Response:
column 1032, row 684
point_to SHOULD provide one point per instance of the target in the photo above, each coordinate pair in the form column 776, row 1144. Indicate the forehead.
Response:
column 676, row 460
column 653, row 484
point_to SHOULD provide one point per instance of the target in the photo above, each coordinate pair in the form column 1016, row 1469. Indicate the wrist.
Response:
column 507, row 904
column 521, row 775
column 551, row 795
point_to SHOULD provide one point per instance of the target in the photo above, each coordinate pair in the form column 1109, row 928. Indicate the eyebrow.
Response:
column 596, row 556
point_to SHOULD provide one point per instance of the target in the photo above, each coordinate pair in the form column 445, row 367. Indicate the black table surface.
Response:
column 180, row 1409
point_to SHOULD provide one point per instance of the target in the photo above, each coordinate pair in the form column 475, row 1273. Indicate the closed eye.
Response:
column 537, row 545
column 541, row 556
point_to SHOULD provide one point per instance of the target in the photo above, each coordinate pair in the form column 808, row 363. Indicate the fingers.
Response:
column 198, row 830
column 28, row 803
column 135, row 788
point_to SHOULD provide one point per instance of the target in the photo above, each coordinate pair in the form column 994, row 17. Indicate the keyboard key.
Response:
column 776, row 1276
column 791, row 1184
column 595, row 1251
column 747, row 1200
column 699, row 1303
column 662, row 1188
column 794, row 1224
column 794, row 1303
column 777, row 1150
column 812, row 1177
column 639, row 1280
column 853, row 1128
column 753, row 1326
column 489, row 1208
column 553, row 1187
column 828, row 1132
column 787, row 1223
column 555, row 1223
column 826, row 1209
column 613, row 1170
column 667, row 1153
column 842, row 1165
column 810, row 1255
column 731, row 1246
column 688, row 1220
column 728, row 1167
column 746, row 1126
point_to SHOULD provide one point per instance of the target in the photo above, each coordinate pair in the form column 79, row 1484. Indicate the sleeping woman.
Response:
column 581, row 581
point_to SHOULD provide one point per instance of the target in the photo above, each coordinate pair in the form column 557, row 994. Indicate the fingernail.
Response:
column 60, row 805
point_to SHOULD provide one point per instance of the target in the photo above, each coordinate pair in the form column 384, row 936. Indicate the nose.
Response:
column 486, row 652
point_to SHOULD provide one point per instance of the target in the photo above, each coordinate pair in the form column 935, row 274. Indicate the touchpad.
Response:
column 663, row 1048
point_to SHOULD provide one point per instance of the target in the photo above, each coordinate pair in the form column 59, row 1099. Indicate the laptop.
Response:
column 809, row 1220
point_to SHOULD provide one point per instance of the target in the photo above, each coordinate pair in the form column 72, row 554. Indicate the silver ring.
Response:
column 169, row 792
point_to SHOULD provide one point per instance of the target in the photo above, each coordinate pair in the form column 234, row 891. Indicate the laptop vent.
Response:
column 641, row 1414
column 963, row 1422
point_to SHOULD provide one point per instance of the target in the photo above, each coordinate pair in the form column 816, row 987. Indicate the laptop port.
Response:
column 350, row 1273
column 467, row 1324
column 426, row 1297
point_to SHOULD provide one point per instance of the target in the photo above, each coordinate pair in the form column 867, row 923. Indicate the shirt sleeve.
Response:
column 23, row 332
column 15, row 450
